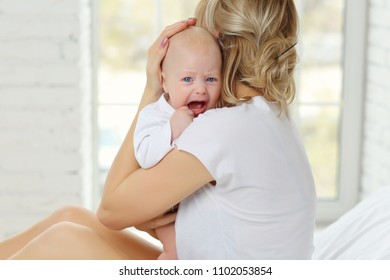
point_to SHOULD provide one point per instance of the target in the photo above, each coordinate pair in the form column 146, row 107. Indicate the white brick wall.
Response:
column 45, row 106
column 376, row 147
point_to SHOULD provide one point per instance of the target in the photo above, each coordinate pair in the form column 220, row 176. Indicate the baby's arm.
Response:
column 152, row 138
column 180, row 120
column 155, row 133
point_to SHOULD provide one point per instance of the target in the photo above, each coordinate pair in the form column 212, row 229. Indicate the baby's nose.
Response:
column 200, row 88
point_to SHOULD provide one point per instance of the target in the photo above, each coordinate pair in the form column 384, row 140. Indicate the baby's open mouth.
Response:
column 198, row 107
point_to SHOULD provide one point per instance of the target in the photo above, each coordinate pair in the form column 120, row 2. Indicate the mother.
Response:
column 261, row 202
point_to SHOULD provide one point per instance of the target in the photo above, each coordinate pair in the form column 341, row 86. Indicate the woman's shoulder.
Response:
column 253, row 109
column 214, row 114
column 213, row 119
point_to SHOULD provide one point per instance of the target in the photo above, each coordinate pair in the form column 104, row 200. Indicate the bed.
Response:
column 362, row 233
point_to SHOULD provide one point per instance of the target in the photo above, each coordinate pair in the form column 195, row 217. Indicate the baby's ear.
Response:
column 163, row 81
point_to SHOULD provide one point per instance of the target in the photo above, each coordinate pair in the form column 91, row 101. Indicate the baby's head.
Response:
column 192, row 70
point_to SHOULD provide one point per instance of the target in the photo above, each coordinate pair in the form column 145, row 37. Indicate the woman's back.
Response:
column 262, row 206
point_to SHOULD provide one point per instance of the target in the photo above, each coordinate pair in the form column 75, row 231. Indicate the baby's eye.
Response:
column 187, row 79
column 211, row 79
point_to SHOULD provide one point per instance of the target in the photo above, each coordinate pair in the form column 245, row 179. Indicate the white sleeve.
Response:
column 152, row 137
column 206, row 138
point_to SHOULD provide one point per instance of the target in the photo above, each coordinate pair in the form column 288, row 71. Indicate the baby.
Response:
column 192, row 81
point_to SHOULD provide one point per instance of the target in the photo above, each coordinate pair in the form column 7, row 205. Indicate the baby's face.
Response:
column 193, row 78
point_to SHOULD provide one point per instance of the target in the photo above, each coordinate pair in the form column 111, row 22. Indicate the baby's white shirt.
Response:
column 152, row 135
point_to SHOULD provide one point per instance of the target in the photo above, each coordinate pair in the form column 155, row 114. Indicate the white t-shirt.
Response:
column 263, row 205
column 152, row 135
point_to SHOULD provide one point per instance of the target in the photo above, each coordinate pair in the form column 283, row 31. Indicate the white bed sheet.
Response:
column 361, row 233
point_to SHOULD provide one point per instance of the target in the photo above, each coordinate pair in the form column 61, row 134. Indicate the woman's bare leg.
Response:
column 68, row 241
column 124, row 240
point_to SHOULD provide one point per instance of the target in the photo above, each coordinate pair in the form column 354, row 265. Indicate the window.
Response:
column 328, row 77
column 320, row 89
column 329, row 101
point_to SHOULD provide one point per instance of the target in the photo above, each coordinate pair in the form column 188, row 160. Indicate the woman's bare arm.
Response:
column 146, row 194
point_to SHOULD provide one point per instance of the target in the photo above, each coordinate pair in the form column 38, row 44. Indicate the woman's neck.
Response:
column 244, row 91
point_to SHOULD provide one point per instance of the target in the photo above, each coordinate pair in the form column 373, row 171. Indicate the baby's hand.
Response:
column 181, row 118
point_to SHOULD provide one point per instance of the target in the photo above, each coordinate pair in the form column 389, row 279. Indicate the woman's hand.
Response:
column 160, row 221
column 156, row 54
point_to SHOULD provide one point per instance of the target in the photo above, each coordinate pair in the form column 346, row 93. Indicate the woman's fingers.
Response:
column 162, row 40
column 172, row 29
column 169, row 31
column 158, row 222
column 157, row 51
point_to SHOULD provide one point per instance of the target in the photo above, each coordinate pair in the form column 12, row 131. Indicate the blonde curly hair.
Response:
column 258, row 39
